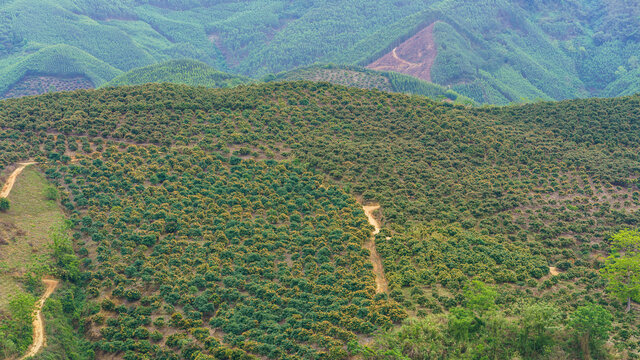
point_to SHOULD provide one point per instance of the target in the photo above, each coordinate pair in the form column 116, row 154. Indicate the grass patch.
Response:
column 28, row 223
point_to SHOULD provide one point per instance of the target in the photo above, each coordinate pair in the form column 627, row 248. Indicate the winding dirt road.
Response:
column 6, row 189
column 382, row 286
column 39, row 338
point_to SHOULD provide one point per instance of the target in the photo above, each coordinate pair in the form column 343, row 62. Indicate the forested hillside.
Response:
column 188, row 72
column 491, row 51
column 227, row 223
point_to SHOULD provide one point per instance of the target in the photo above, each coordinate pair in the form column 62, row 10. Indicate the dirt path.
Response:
column 395, row 56
column 39, row 338
column 382, row 286
column 6, row 189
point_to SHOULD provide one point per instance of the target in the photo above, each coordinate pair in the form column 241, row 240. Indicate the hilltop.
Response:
column 228, row 223
column 188, row 72
column 494, row 52
column 364, row 78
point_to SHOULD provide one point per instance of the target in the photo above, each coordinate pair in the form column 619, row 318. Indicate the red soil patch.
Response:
column 413, row 57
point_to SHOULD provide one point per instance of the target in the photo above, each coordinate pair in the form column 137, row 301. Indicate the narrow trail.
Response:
column 382, row 286
column 39, row 338
column 6, row 189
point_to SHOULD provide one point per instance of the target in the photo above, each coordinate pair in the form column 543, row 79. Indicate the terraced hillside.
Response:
column 37, row 85
column 227, row 223
column 359, row 77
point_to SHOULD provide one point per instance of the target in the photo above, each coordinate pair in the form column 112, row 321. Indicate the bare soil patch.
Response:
column 6, row 189
column 382, row 286
column 413, row 57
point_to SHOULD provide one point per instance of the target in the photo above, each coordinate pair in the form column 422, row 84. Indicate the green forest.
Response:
column 228, row 224
column 493, row 52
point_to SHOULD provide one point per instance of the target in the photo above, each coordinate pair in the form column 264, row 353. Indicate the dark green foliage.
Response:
column 230, row 214
column 4, row 204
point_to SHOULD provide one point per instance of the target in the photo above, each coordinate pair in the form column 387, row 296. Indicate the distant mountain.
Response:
column 189, row 72
column 493, row 51
column 192, row 72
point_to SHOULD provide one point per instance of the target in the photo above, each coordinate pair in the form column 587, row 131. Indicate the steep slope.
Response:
column 413, row 57
column 223, row 223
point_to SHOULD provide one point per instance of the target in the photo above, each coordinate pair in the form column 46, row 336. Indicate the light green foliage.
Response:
column 51, row 193
column 591, row 325
column 622, row 267
column 189, row 72
column 533, row 332
column 56, row 59
column 538, row 324
column 491, row 51
column 66, row 307
column 16, row 325
column 480, row 297
column 62, row 251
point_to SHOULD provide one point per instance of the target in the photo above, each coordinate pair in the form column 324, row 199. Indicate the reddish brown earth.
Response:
column 37, row 85
column 413, row 57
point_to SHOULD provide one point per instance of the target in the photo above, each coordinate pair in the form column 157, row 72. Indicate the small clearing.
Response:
column 6, row 189
column 382, row 286
column 39, row 337
column 413, row 57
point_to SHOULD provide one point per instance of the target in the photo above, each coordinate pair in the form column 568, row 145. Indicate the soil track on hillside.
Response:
column 39, row 338
column 413, row 57
column 6, row 189
column 382, row 286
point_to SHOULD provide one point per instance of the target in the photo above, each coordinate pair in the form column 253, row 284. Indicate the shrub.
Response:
column 51, row 193
column 4, row 204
